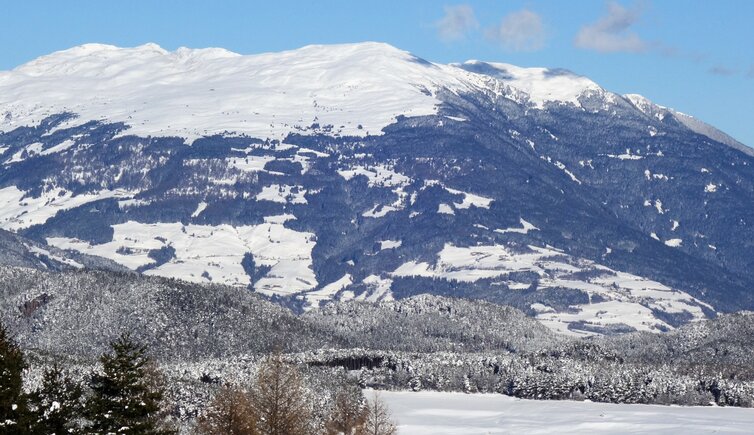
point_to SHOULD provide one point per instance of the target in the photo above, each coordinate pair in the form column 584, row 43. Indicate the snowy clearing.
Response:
column 435, row 413
column 624, row 298
column 203, row 253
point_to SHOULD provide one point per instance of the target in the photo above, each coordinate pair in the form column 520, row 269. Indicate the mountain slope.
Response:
column 19, row 251
column 364, row 172
column 78, row 313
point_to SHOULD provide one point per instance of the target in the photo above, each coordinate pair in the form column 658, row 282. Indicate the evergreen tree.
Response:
column 279, row 399
column 127, row 396
column 13, row 409
column 229, row 413
column 56, row 405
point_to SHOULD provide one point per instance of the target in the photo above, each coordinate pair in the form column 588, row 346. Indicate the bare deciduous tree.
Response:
column 280, row 399
column 229, row 413
column 378, row 420
column 348, row 415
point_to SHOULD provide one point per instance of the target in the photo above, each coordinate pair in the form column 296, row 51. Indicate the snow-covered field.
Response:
column 433, row 413
column 623, row 298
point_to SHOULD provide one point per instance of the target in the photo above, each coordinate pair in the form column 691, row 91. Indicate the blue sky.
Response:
column 695, row 56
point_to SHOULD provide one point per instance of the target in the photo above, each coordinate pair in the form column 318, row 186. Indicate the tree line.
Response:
column 127, row 395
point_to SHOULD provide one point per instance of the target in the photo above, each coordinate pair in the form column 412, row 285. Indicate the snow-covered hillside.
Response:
column 194, row 93
column 349, row 89
column 361, row 171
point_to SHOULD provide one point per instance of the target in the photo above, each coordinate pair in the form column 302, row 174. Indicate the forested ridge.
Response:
column 207, row 339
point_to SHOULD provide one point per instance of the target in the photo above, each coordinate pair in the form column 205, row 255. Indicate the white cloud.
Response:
column 612, row 32
column 457, row 22
column 519, row 31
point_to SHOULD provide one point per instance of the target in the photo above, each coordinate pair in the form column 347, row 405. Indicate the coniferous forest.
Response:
column 156, row 355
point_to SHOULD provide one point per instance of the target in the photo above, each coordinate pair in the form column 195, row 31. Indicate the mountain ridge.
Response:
column 114, row 63
column 382, row 176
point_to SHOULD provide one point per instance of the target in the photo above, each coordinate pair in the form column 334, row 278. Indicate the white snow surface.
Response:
column 19, row 211
column 357, row 88
column 327, row 292
column 378, row 289
column 282, row 194
column 543, row 85
column 212, row 253
column 39, row 251
column 445, row 209
column 443, row 413
column 624, row 298
column 525, row 228
column 378, row 175
column 390, row 244
column 470, row 199
column 198, row 92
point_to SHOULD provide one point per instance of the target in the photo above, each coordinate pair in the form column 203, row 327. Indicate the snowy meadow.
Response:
column 442, row 413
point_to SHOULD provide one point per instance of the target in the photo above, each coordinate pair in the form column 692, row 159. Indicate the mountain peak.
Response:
column 198, row 92
column 542, row 85
column 358, row 88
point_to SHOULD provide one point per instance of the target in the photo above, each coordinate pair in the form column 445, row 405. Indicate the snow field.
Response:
column 205, row 253
column 436, row 413
column 625, row 298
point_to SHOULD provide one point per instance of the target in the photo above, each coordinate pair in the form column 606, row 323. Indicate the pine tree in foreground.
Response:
column 13, row 410
column 279, row 399
column 378, row 420
column 127, row 395
column 56, row 405
column 229, row 413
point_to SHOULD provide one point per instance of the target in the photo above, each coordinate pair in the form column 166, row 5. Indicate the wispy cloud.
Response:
column 720, row 70
column 457, row 22
column 613, row 32
column 519, row 31
column 750, row 74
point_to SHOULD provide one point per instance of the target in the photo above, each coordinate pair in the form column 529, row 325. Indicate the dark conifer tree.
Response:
column 13, row 410
column 56, row 406
column 126, row 397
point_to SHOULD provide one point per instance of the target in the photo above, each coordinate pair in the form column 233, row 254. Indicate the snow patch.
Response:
column 199, row 209
column 211, row 253
column 390, row 244
column 625, row 298
column 470, row 199
column 19, row 211
column 446, row 413
column 283, row 194
column 445, row 209
column 674, row 243
column 525, row 228
column 327, row 292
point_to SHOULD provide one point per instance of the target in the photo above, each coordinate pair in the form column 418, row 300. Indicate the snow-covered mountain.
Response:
column 361, row 171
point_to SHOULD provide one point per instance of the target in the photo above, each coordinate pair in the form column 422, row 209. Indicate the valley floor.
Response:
column 435, row 413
